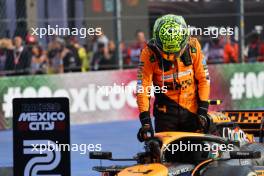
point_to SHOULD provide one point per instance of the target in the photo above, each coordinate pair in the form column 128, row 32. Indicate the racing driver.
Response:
column 173, row 61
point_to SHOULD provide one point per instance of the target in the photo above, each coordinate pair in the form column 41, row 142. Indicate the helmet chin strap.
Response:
column 181, row 52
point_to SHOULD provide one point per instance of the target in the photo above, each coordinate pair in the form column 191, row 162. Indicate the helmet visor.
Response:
column 171, row 56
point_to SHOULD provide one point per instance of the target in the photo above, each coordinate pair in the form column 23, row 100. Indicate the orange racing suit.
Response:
column 183, row 87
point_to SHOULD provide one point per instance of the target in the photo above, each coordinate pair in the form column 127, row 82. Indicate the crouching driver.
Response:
column 173, row 61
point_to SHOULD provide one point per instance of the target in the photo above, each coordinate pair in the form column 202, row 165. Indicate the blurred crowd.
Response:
column 23, row 56
column 225, row 49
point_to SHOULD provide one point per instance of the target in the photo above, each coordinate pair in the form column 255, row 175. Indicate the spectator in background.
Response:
column 215, row 52
column 107, row 62
column 71, row 61
column 97, row 56
column 230, row 51
column 18, row 59
column 60, row 54
column 125, row 55
column 136, row 47
column 55, row 59
column 31, row 40
column 254, row 48
column 101, row 40
column 80, row 53
column 5, row 46
column 39, row 63
column 261, row 57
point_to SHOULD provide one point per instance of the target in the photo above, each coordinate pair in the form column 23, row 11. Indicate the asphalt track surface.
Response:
column 118, row 137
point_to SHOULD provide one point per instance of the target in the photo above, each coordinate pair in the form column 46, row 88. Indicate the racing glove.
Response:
column 202, row 115
column 146, row 131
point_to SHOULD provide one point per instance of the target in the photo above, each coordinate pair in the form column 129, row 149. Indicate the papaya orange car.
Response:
column 234, row 129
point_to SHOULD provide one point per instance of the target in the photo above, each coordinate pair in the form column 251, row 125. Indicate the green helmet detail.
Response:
column 171, row 33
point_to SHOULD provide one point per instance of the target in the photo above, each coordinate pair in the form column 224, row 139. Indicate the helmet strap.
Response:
column 186, row 56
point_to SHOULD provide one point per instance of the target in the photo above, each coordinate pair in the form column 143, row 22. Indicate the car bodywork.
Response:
column 238, row 129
